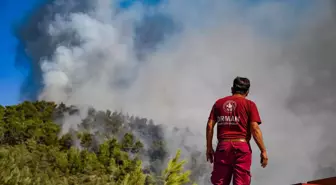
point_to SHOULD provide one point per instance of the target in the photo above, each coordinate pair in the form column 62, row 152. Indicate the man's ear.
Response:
column 248, row 91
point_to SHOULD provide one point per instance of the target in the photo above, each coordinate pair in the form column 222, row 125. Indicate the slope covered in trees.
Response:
column 105, row 148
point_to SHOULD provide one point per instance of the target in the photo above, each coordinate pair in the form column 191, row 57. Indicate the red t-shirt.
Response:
column 233, row 115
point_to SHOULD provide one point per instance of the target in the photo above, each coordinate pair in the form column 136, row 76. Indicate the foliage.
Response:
column 173, row 174
column 32, row 150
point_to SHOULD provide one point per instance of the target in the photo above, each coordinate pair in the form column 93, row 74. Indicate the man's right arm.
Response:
column 257, row 136
column 255, row 121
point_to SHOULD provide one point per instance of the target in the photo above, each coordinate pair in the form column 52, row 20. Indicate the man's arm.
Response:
column 209, row 132
column 257, row 136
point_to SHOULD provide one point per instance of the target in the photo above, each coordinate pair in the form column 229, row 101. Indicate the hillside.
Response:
column 39, row 147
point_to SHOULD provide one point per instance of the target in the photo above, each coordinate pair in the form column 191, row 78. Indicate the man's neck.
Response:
column 239, row 95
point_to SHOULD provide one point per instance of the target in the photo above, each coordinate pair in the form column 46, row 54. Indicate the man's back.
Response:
column 233, row 114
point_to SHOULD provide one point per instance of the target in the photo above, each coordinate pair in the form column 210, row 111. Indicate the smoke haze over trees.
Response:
column 33, row 151
column 170, row 61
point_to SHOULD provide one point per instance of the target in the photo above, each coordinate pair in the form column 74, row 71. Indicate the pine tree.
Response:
column 173, row 174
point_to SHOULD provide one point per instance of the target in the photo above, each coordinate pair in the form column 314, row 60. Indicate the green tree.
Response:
column 32, row 151
column 173, row 174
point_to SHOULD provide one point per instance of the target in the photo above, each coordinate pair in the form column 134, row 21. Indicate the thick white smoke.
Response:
column 178, row 82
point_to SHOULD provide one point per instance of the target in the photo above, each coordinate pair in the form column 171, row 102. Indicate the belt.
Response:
column 233, row 140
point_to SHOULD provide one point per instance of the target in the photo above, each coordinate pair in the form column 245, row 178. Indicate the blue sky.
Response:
column 14, row 10
column 10, row 77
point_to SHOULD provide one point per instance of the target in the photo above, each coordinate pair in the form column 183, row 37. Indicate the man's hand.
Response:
column 263, row 159
column 210, row 154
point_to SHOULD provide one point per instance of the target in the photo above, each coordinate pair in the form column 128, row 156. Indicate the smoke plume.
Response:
column 171, row 61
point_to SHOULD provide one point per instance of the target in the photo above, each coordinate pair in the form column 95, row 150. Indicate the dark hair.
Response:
column 241, row 85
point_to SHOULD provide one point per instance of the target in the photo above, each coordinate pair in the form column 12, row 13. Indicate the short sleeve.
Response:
column 212, row 115
column 254, row 113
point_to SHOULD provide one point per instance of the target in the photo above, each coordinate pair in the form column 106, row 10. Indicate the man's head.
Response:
column 240, row 86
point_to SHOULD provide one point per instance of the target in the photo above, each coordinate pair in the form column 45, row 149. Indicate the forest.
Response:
column 37, row 146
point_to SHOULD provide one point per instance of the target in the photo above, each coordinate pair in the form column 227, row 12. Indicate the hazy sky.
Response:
column 12, row 11
column 11, row 77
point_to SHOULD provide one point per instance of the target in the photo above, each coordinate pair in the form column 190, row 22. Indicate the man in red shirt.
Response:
column 237, row 118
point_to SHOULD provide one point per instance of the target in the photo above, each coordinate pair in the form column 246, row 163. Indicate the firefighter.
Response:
column 236, row 118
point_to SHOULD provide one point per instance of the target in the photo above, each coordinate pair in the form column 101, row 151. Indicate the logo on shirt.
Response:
column 228, row 120
column 229, row 106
